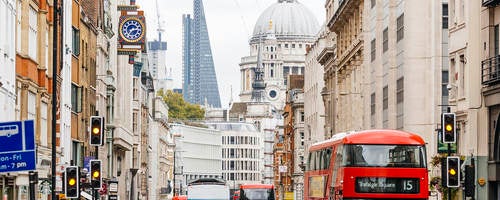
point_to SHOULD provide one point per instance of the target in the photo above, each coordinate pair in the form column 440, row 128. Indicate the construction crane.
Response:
column 159, row 29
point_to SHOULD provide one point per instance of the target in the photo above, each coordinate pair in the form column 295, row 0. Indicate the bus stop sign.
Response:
column 17, row 151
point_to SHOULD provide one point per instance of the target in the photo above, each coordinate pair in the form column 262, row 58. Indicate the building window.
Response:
column 76, row 153
column 372, row 104
column 373, row 50
column 452, row 12
column 76, row 41
column 400, row 27
column 385, row 36
column 302, row 138
column 461, row 74
column 372, row 109
column 19, row 19
column 135, row 89
column 43, row 124
column 399, row 103
column 445, row 16
column 302, row 116
column 18, row 104
column 373, row 3
column 47, row 51
column 385, row 106
column 497, row 42
column 496, row 145
column 33, row 33
column 76, row 98
column 444, row 89
column 32, row 106
column 134, row 122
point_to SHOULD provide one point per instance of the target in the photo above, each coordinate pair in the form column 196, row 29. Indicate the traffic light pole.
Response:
column 94, row 191
column 449, row 152
column 55, row 32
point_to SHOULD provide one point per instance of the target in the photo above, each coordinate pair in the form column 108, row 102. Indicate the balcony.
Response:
column 491, row 3
column 490, row 73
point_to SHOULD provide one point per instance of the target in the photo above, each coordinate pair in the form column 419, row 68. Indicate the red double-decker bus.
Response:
column 366, row 165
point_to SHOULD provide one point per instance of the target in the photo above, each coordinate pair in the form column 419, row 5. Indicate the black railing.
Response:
column 490, row 73
column 490, row 3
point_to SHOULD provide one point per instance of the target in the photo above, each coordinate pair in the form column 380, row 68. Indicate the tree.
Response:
column 180, row 109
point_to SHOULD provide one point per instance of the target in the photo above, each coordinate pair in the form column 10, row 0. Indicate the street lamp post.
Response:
column 55, row 54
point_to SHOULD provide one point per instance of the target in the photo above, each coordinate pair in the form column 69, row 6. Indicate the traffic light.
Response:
column 95, row 174
column 96, row 130
column 470, row 181
column 449, row 128
column 72, row 182
column 453, row 169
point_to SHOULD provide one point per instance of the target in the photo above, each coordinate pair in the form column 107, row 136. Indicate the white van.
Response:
column 208, row 189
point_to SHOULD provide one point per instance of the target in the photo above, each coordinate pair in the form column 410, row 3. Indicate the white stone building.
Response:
column 65, row 90
column 387, row 67
column 198, row 154
column 8, row 60
column 314, row 109
column 241, row 153
column 161, row 153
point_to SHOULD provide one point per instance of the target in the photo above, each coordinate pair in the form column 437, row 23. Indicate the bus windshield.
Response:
column 257, row 194
column 402, row 156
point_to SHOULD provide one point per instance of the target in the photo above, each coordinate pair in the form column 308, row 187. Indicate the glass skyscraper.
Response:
column 199, row 78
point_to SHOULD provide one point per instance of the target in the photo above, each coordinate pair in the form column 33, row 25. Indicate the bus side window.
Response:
column 327, row 156
column 317, row 159
column 310, row 162
column 338, row 156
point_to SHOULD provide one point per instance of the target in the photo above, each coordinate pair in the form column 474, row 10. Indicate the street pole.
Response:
column 175, row 193
column 54, row 96
column 449, row 152
column 94, row 191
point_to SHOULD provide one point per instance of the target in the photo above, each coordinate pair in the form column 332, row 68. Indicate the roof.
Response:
column 382, row 136
column 288, row 17
column 255, row 186
column 239, row 108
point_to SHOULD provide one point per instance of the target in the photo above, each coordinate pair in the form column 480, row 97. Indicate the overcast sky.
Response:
column 230, row 25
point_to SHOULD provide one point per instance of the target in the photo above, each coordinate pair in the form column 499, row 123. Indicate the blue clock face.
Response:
column 132, row 29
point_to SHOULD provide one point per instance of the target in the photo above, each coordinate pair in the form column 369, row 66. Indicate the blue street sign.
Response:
column 86, row 162
column 17, row 149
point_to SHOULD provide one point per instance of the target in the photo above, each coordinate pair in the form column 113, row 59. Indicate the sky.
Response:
column 230, row 25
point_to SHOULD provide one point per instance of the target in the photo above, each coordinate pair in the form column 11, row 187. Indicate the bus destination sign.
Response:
column 387, row 185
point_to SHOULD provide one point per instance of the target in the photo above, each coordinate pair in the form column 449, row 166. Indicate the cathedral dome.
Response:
column 288, row 18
